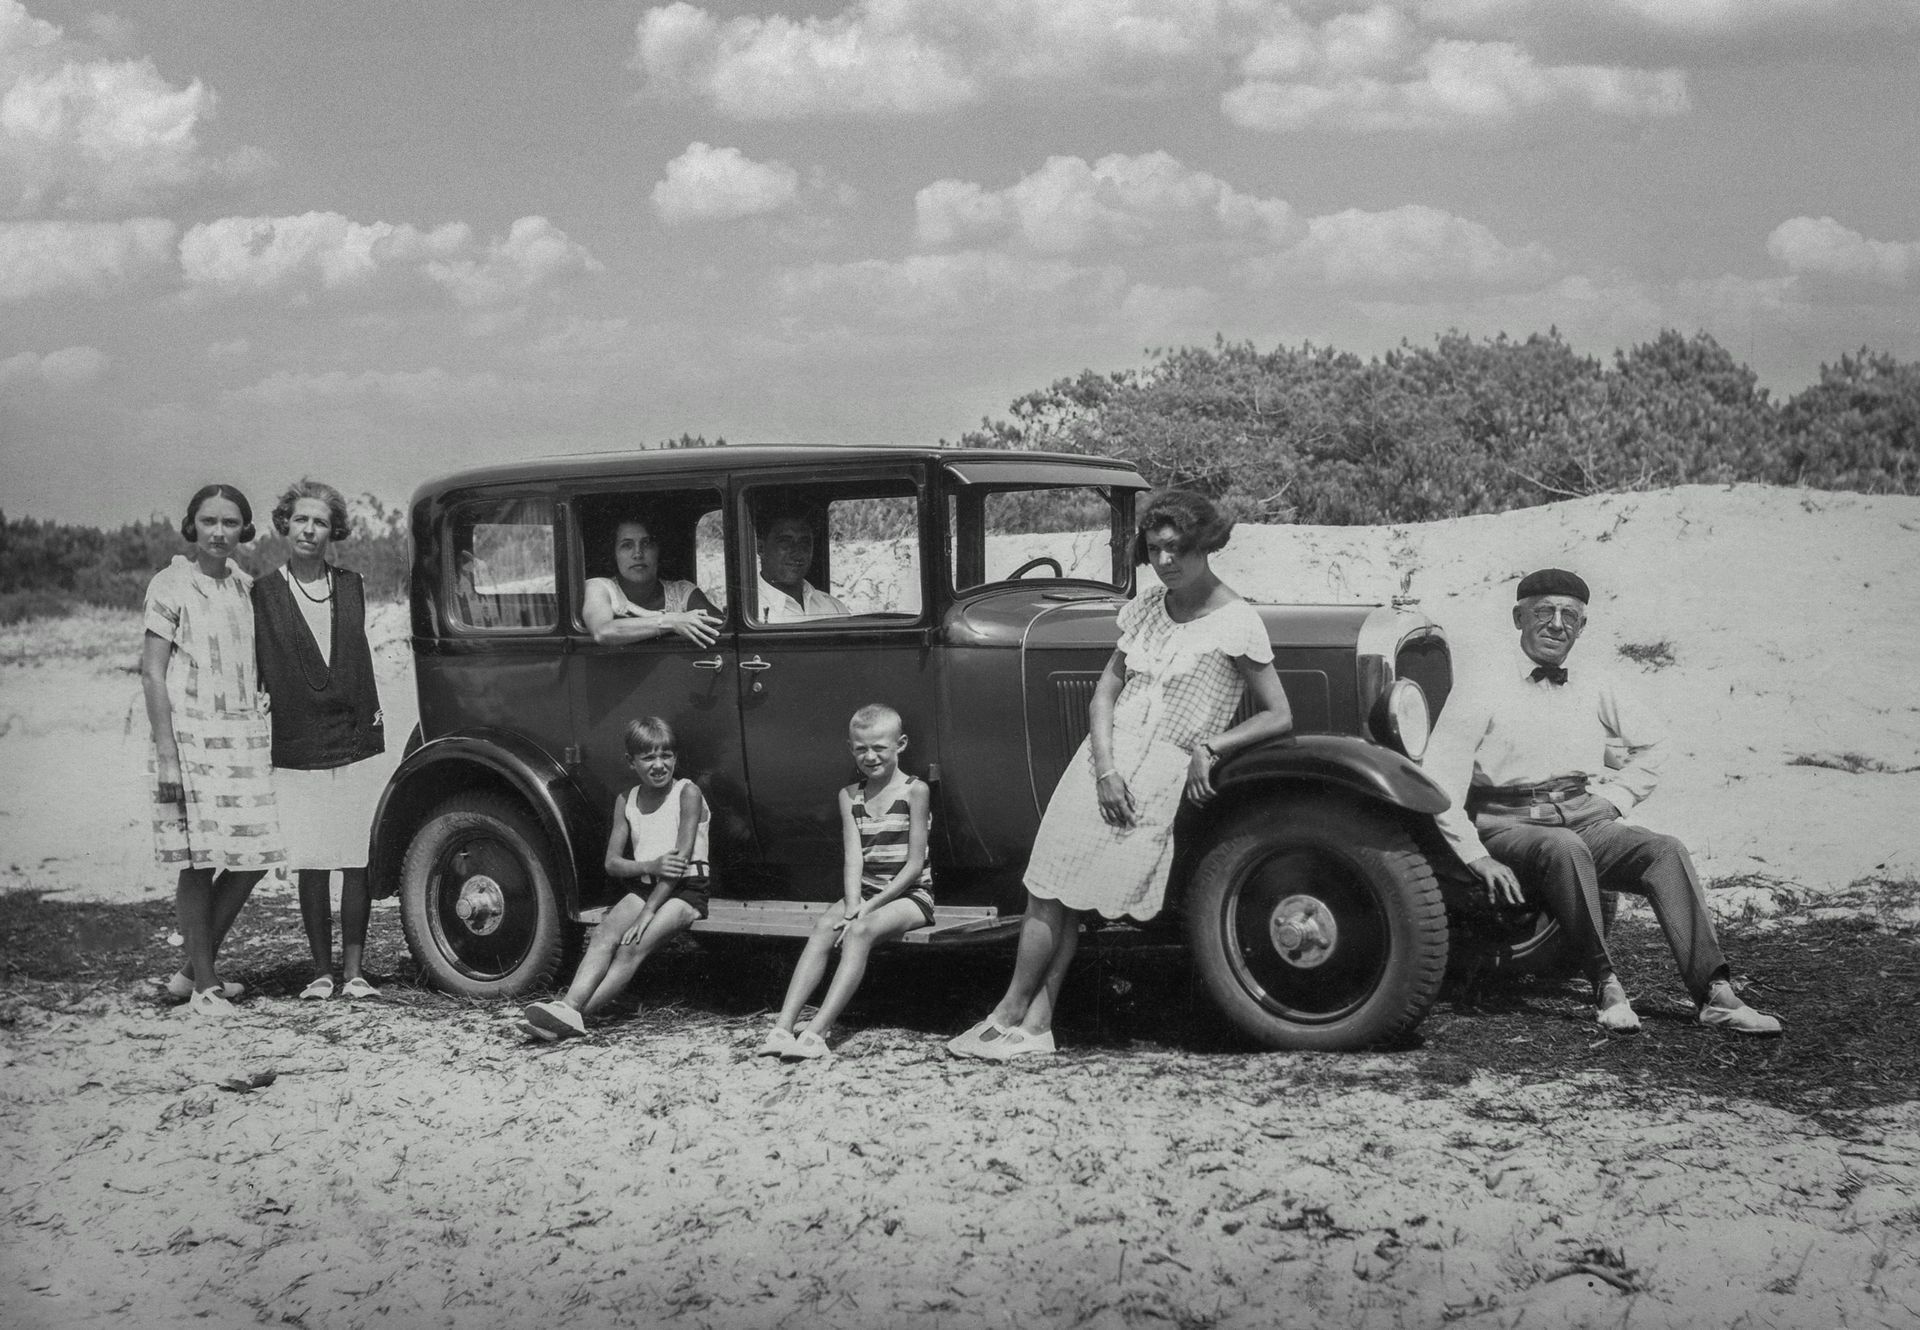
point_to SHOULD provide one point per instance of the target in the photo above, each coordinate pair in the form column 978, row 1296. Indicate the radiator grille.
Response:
column 1072, row 695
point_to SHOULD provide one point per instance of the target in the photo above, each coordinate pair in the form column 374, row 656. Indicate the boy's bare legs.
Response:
column 673, row 918
column 890, row 920
column 811, row 968
column 624, row 913
column 316, row 916
column 356, row 909
column 1049, row 935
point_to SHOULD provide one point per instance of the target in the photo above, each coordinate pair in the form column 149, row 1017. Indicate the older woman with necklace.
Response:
column 311, row 618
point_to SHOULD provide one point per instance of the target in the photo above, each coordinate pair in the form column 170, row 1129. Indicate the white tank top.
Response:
column 657, row 833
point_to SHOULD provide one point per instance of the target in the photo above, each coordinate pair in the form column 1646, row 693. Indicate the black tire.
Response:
column 1371, row 894
column 1540, row 947
column 486, row 853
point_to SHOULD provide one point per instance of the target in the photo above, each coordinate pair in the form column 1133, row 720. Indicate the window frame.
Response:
column 908, row 476
column 454, row 621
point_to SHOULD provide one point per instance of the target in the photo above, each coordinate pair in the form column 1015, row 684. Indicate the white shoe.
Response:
column 967, row 1043
column 1741, row 1019
column 1018, row 1043
column 1620, row 1018
column 556, row 1019
column 180, row 984
column 779, row 1043
column 806, row 1047
column 208, row 1004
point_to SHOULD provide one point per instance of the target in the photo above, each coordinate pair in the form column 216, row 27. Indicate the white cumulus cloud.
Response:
column 71, row 367
column 1412, row 245
column 706, row 184
column 1070, row 205
column 81, row 134
column 1391, row 64
column 321, row 252
column 1447, row 85
column 39, row 258
column 1823, row 246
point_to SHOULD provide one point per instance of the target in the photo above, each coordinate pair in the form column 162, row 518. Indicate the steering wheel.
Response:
column 1032, row 564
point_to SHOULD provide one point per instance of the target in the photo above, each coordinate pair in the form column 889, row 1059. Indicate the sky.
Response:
column 373, row 241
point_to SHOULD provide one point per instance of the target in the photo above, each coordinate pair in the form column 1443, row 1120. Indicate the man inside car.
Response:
column 785, row 535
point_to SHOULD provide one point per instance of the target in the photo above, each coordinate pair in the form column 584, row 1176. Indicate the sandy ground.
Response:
column 413, row 1165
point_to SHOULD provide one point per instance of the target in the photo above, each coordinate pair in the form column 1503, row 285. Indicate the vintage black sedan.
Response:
column 975, row 592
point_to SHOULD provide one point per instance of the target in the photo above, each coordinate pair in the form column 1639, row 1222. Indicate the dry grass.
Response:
column 1649, row 655
column 1854, row 764
column 1846, row 988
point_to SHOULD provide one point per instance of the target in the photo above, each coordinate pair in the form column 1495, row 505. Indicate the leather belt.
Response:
column 1557, row 791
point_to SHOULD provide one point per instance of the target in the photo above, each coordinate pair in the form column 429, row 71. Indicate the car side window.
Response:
column 660, row 546
column 847, row 552
column 503, row 567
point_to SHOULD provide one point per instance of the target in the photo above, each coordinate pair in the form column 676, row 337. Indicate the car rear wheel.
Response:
column 477, row 899
column 1317, row 924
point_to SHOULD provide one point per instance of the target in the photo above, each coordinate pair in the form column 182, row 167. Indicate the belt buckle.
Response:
column 1542, row 812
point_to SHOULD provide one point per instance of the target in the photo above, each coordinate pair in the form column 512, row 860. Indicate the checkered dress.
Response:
column 221, row 728
column 1181, row 688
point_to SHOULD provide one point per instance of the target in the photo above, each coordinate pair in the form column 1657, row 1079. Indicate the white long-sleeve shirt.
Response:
column 1506, row 728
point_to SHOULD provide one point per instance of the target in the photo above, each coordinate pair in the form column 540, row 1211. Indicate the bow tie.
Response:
column 1553, row 674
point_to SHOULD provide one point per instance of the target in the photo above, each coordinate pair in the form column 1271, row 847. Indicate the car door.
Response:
column 690, row 687
column 801, row 680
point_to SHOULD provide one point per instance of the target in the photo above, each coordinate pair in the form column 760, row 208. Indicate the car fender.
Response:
column 492, row 759
column 1338, row 760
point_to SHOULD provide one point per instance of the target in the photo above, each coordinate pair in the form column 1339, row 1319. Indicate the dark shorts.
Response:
column 693, row 890
column 921, row 896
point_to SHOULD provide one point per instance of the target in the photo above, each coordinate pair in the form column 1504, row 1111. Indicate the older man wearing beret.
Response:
column 1542, row 759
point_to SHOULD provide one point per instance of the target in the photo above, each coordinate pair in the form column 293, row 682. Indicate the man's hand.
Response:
column 1503, row 888
column 631, row 937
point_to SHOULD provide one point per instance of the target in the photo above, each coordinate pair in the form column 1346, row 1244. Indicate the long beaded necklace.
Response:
column 326, row 577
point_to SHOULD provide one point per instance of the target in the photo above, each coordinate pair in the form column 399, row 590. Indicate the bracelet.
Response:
column 1099, row 776
column 1213, row 754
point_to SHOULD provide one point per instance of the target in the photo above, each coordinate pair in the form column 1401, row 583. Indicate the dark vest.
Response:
column 323, row 716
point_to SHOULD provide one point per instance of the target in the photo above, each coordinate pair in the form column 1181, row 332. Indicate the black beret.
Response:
column 1552, row 582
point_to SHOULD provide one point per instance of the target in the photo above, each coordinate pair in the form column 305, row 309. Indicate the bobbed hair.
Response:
column 304, row 488
column 646, row 733
column 1193, row 517
column 217, row 491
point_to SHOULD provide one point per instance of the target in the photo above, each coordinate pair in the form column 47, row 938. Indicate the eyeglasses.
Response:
column 1543, row 615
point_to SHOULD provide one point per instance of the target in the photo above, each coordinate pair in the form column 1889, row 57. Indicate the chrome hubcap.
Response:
column 1303, row 931
column 482, row 904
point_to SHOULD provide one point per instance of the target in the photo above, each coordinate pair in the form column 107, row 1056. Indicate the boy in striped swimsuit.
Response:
column 884, row 818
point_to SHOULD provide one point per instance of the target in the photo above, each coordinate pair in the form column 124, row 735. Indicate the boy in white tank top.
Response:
column 657, row 843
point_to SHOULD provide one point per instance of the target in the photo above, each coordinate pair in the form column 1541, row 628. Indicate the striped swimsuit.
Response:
column 884, row 847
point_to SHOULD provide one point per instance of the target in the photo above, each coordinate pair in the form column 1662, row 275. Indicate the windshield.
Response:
column 1075, row 532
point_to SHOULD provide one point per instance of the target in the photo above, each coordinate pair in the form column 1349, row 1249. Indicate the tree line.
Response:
column 1317, row 435
column 1296, row 434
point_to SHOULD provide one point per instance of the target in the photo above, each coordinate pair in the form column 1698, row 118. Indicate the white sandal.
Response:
column 318, row 989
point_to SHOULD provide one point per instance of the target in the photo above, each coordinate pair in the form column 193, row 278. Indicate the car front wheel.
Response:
column 477, row 899
column 1317, row 924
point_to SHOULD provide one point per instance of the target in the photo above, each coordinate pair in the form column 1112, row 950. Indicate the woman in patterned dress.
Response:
column 1189, row 650
column 213, row 810
column 639, row 604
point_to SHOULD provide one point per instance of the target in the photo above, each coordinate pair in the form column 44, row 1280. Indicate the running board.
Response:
column 951, row 923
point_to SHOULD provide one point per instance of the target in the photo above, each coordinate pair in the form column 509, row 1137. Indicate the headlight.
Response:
column 1407, row 717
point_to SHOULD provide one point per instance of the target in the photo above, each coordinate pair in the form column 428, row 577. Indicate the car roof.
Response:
column 655, row 462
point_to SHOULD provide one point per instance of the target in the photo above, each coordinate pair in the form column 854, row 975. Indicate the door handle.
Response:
column 713, row 664
column 755, row 665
